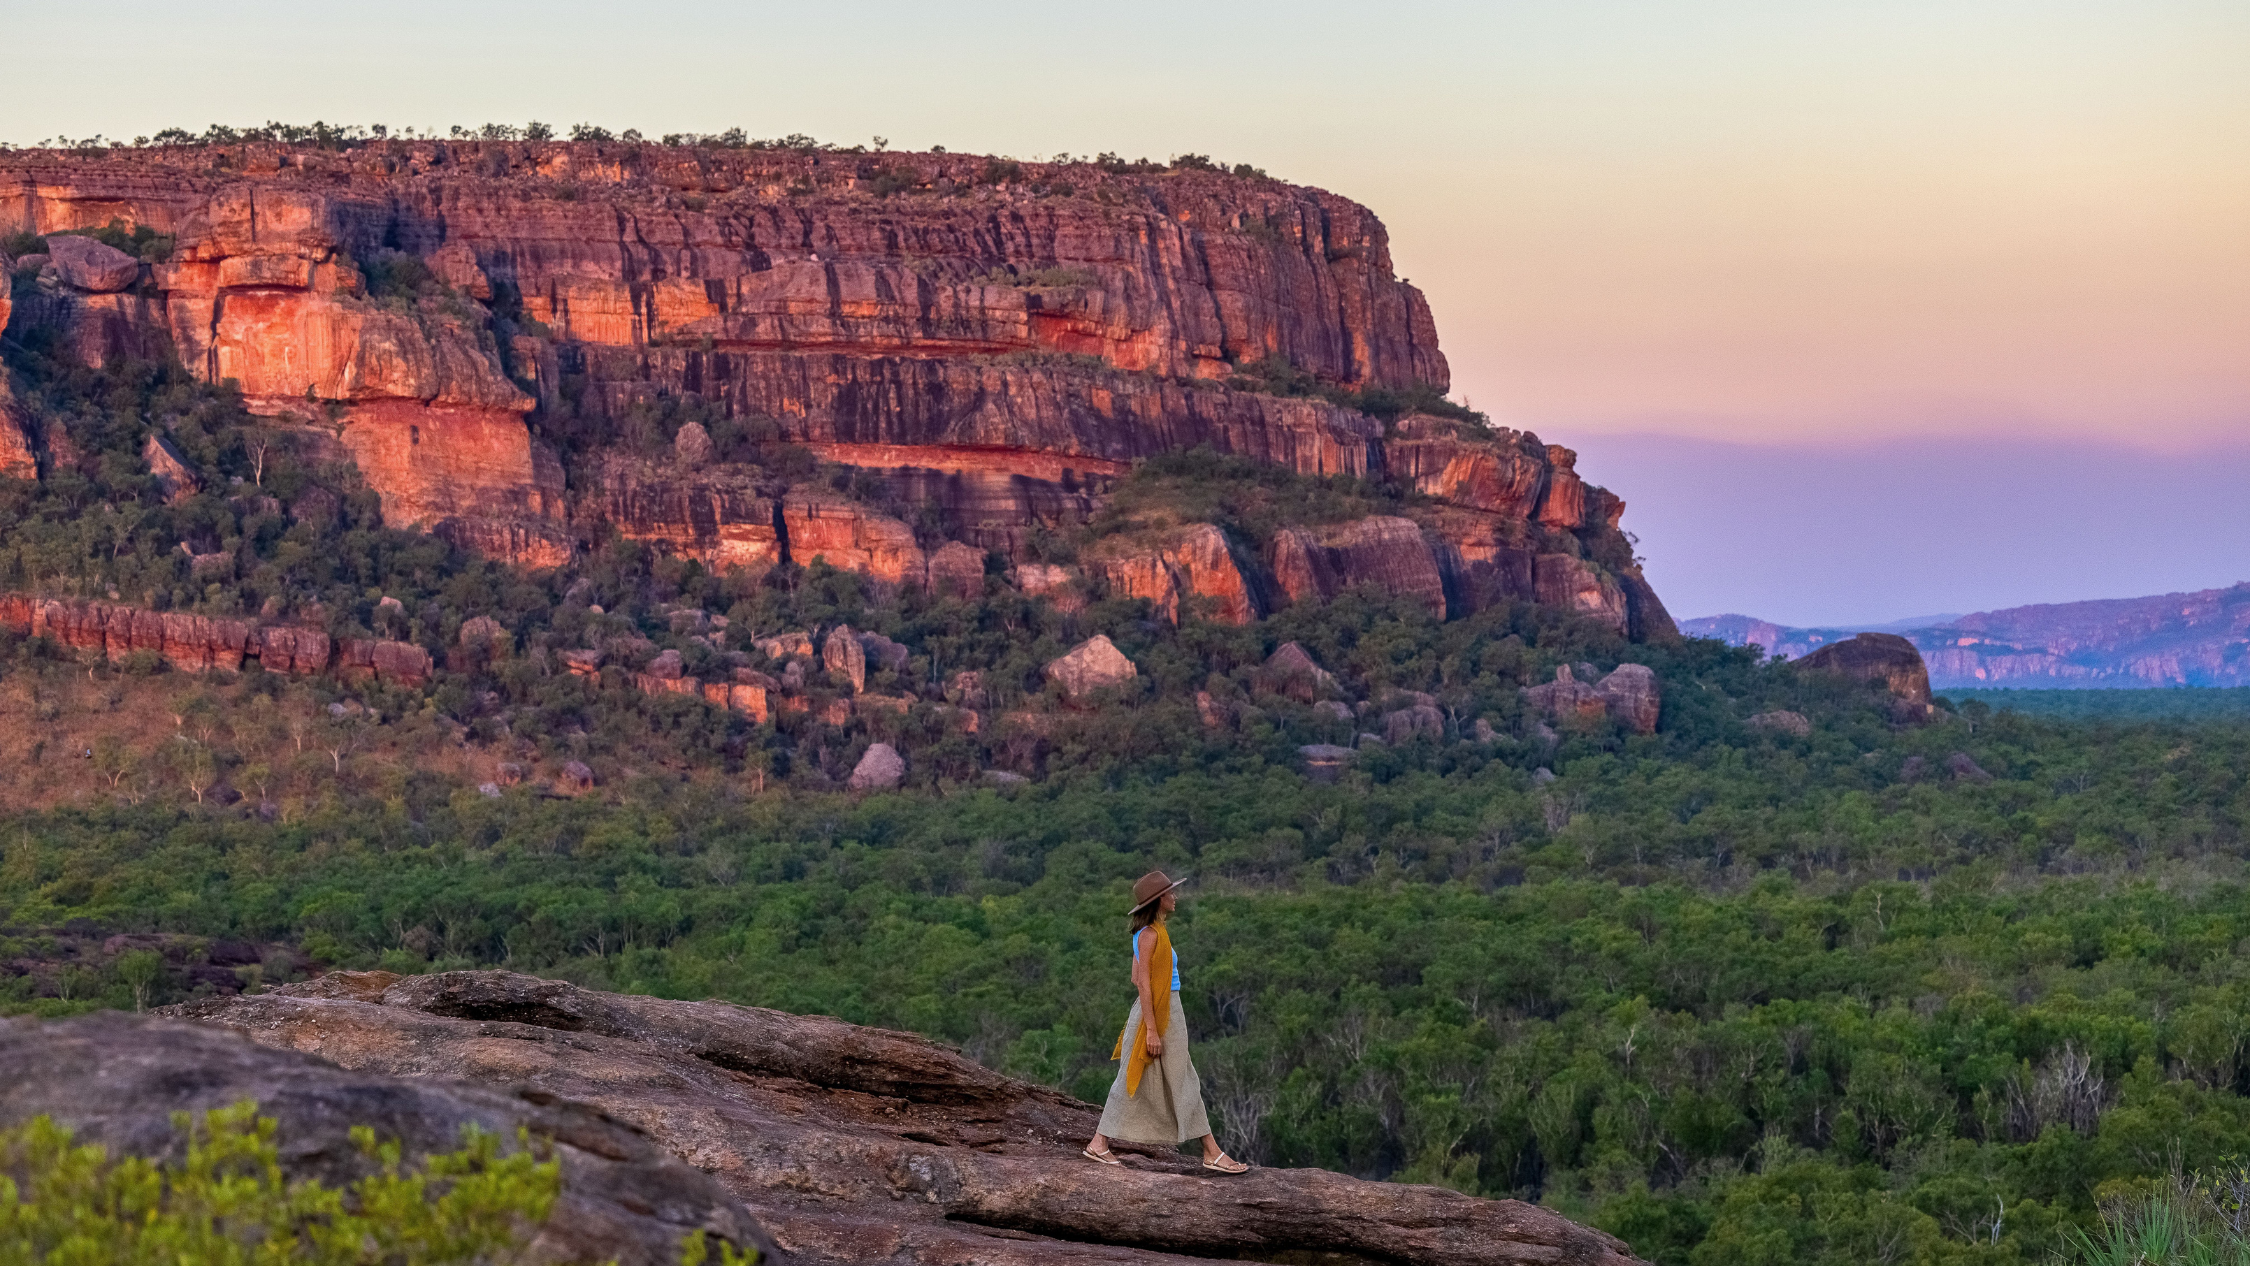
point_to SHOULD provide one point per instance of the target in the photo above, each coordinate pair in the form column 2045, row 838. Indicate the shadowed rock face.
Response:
column 1885, row 658
column 116, row 1080
column 994, row 351
column 853, row 1145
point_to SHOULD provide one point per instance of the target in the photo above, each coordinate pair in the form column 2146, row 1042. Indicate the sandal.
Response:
column 1104, row 1157
column 1226, row 1165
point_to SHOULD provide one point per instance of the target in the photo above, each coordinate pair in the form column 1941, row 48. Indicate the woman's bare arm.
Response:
column 1140, row 986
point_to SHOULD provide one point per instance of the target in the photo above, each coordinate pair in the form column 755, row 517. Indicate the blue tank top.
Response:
column 1175, row 960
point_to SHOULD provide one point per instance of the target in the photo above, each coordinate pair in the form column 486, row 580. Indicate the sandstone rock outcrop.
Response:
column 1291, row 670
column 116, row 1079
column 845, row 657
column 85, row 264
column 1883, row 658
column 17, row 458
column 169, row 469
column 956, row 570
column 992, row 355
column 1390, row 554
column 1630, row 693
column 1092, row 665
column 1795, row 724
column 880, row 768
column 850, row 1144
column 1574, row 584
column 191, row 643
column 1179, row 567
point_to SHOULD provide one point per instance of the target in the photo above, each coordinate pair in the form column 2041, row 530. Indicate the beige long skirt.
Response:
column 1169, row 1109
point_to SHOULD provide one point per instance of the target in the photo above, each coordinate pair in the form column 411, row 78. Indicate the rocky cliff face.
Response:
column 846, row 1144
column 485, row 328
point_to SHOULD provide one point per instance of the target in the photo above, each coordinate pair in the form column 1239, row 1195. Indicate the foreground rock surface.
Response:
column 852, row 1144
column 116, row 1080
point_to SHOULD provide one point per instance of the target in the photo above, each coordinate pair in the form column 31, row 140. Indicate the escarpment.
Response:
column 888, row 353
column 850, row 1144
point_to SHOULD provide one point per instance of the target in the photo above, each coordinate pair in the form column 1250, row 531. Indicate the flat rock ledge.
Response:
column 844, row 1143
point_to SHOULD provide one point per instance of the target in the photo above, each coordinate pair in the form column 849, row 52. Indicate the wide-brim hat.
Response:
column 1151, row 886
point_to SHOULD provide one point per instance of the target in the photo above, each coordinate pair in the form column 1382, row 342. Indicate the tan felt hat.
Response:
column 1151, row 886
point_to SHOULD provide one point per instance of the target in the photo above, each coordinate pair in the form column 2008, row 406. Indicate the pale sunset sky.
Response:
column 1868, row 310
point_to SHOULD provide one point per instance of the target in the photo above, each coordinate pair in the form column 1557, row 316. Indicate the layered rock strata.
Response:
column 991, row 344
column 854, row 1145
column 196, row 643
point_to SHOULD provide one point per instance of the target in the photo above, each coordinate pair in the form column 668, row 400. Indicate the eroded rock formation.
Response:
column 1391, row 554
column 1630, row 693
column 194, row 643
column 852, row 1145
column 1884, row 658
column 992, row 346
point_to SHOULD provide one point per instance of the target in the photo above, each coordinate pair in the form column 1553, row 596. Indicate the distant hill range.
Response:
column 2173, row 639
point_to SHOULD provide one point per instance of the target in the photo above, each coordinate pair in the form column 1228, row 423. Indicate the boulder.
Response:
column 1092, row 665
column 880, row 768
column 171, row 470
column 1408, row 724
column 967, row 689
column 574, row 779
column 479, row 630
column 85, row 264
column 1566, row 697
column 117, row 1079
column 844, row 657
column 400, row 662
column 1046, row 580
column 852, row 1144
column 796, row 644
column 1632, row 695
column 1782, row 722
column 1883, row 658
column 1965, row 768
column 957, row 571
column 691, row 446
column 1291, row 670
column 667, row 666
column 1325, row 762
column 882, row 652
column 581, row 663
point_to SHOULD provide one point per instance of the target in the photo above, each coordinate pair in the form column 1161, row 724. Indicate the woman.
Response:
column 1156, row 1098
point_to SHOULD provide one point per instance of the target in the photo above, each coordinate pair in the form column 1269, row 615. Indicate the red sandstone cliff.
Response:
column 992, row 348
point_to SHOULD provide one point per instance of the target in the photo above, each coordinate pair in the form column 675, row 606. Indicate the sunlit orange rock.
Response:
column 1194, row 562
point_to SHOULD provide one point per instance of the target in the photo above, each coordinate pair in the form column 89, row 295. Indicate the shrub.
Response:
column 227, row 1200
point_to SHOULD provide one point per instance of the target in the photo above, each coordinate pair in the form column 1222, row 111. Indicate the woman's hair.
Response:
column 1146, row 915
